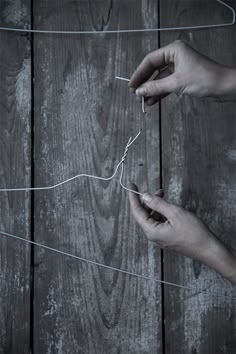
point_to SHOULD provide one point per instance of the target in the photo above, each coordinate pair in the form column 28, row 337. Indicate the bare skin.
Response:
column 169, row 226
column 177, row 229
column 182, row 70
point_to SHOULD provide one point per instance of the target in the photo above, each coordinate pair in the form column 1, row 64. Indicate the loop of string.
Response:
column 25, row 30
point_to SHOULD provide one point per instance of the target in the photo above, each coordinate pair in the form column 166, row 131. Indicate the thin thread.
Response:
column 25, row 30
column 122, row 78
column 130, row 142
column 143, row 100
column 93, row 262
column 55, row 250
column 122, row 167
column 143, row 105
column 127, row 189
column 121, row 163
column 27, row 189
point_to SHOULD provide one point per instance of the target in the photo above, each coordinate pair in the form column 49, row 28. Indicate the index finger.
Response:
column 153, row 61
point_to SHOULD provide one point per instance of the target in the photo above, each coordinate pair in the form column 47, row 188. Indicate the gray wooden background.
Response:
column 62, row 113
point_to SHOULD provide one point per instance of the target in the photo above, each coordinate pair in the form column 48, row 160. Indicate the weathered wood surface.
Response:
column 83, row 119
column 199, row 173
column 15, row 170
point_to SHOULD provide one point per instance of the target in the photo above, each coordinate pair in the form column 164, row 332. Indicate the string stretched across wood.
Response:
column 121, row 162
column 181, row 28
column 195, row 290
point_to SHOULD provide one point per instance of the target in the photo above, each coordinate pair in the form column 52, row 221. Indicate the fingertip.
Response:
column 132, row 84
column 140, row 92
column 147, row 198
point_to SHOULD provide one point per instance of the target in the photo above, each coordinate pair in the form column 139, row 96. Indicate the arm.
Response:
column 183, row 232
column 180, row 69
column 228, row 84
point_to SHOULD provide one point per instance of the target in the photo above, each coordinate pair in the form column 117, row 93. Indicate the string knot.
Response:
column 126, row 151
column 130, row 142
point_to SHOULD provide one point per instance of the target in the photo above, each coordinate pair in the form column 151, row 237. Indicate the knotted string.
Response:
column 28, row 189
column 131, row 140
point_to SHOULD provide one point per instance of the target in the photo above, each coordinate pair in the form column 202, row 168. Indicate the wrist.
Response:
column 232, row 266
column 226, row 83
column 223, row 260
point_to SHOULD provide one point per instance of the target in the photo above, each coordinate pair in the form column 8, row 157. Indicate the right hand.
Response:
column 172, row 227
column 183, row 232
column 181, row 70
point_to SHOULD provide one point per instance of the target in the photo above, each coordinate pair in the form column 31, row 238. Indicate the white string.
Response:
column 121, row 163
column 27, row 189
column 130, row 142
column 55, row 250
column 122, row 78
column 143, row 100
column 143, row 105
column 93, row 262
column 121, row 183
column 25, row 30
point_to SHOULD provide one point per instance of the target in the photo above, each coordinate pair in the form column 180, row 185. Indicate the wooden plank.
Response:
column 199, row 174
column 15, row 167
column 83, row 119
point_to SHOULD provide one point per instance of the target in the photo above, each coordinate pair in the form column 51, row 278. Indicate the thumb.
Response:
column 158, row 204
column 158, row 87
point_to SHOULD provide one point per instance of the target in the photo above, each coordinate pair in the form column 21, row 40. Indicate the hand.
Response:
column 170, row 226
column 177, row 229
column 181, row 70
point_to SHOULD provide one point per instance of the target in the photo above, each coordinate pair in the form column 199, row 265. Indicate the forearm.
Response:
column 222, row 259
column 227, row 84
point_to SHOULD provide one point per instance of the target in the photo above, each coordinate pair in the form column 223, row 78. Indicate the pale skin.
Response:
column 171, row 227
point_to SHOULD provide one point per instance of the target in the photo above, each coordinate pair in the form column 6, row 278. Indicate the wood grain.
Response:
column 199, row 174
column 83, row 119
column 15, row 170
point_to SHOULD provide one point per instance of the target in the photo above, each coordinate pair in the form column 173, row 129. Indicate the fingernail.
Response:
column 147, row 197
column 139, row 92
